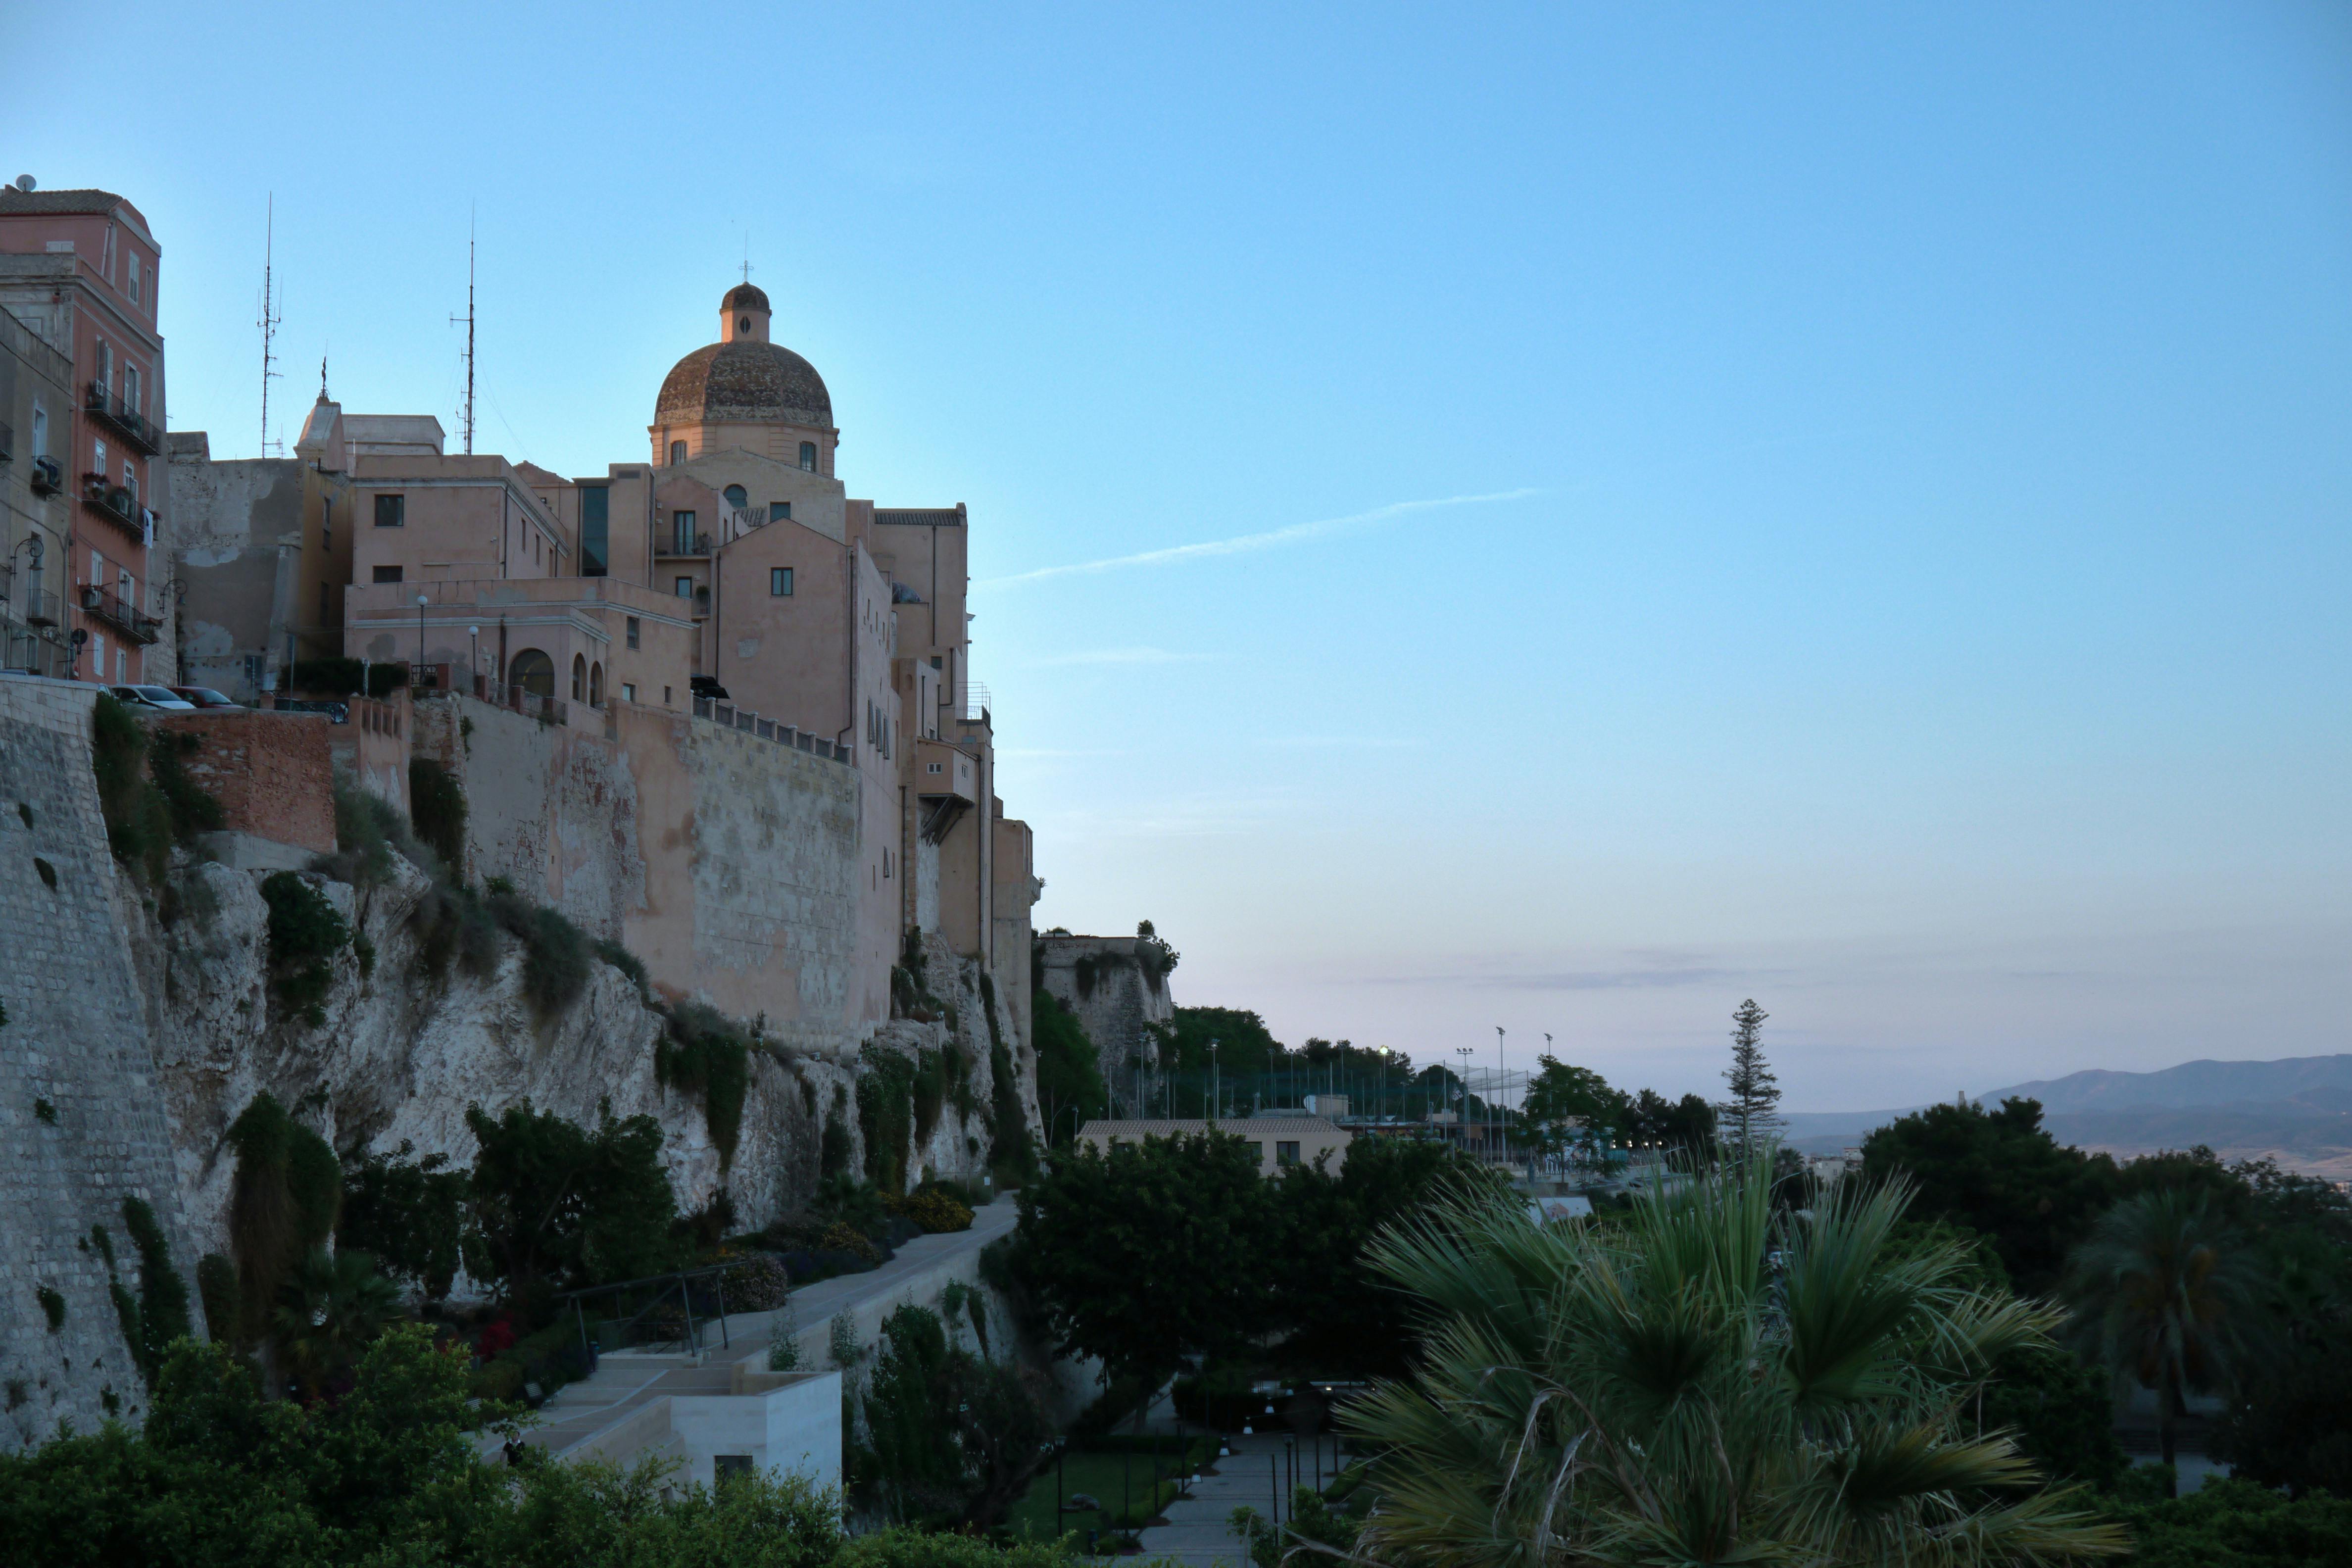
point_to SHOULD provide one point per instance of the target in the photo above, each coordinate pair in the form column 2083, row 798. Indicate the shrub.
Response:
column 192, row 807
column 437, row 807
column 409, row 1214
column 216, row 1285
column 53, row 1307
column 342, row 676
column 555, row 952
column 162, row 1304
column 138, row 817
column 833, row 1150
column 934, row 1210
column 839, row 1237
column 758, row 1283
column 708, row 1055
column 305, row 934
column 886, row 1113
column 630, row 964
column 368, row 832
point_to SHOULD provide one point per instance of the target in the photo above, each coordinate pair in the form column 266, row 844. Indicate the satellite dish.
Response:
column 25, row 181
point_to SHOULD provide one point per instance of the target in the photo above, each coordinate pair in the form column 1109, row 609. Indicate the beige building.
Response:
column 731, row 578
column 35, row 401
column 1278, row 1141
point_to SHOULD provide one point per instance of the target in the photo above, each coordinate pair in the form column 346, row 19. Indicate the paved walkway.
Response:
column 1197, row 1535
column 626, row 1381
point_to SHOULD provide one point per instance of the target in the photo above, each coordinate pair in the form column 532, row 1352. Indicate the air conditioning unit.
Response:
column 93, row 599
column 48, row 477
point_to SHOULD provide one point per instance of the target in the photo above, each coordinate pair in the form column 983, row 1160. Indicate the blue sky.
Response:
column 1844, row 505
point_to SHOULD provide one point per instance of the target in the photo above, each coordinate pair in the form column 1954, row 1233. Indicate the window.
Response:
column 579, row 678
column 1285, row 1153
column 595, row 529
column 1257, row 1155
column 98, row 655
column 130, row 387
column 736, row 497
column 138, row 284
column 780, row 511
column 932, row 767
column 392, row 512
column 327, row 522
column 678, row 451
column 105, row 366
column 681, row 532
column 664, row 696
column 628, row 692
column 387, row 574
column 40, row 431
column 686, row 587
column 808, row 456
column 725, row 1468
column 633, row 631
column 533, row 671
column 98, row 459
column 130, row 480
column 780, row 582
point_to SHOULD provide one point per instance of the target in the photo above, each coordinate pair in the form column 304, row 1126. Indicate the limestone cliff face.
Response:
column 405, row 1051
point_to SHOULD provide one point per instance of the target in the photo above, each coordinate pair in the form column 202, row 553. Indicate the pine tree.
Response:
column 1751, row 1114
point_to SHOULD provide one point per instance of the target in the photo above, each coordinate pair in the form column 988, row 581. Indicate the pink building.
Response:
column 80, row 268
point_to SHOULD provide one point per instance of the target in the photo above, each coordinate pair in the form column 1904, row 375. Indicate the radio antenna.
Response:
column 465, row 420
column 270, row 315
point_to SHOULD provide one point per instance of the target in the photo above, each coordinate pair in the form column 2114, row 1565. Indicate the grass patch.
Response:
column 554, row 952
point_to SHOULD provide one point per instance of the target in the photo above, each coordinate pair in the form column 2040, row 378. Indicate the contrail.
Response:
column 1249, row 542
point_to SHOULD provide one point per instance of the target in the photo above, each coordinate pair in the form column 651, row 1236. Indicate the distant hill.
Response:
column 2297, row 1110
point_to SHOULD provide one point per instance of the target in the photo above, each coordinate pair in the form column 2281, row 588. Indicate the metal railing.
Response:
column 677, row 547
column 727, row 716
column 663, row 1309
column 976, row 701
column 128, row 422
column 121, row 614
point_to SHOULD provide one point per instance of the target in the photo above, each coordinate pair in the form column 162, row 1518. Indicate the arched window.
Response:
column 596, row 685
column 736, row 498
column 533, row 671
column 579, row 678
column 808, row 456
column 678, row 451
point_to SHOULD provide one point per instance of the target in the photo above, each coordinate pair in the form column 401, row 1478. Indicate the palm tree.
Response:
column 2165, row 1293
column 1708, row 1381
column 331, row 1307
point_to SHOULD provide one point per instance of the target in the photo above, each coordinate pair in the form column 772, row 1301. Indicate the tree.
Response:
column 1704, row 1382
column 1998, row 1173
column 2164, row 1292
column 1569, row 1105
column 409, row 1214
column 1684, row 1128
column 1149, row 1254
column 1751, row 1115
column 556, row 1206
column 331, row 1308
column 1070, row 1070
column 1342, row 1320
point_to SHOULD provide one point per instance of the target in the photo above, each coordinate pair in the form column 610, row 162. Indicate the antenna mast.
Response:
column 270, row 316
column 465, row 420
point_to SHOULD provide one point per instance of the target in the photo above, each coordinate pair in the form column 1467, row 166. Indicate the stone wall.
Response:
column 75, row 1042
column 1104, row 982
column 273, row 773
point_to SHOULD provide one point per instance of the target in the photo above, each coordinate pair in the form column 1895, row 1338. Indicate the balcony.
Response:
column 677, row 547
column 39, row 608
column 46, row 477
column 121, row 614
column 121, row 418
column 116, row 504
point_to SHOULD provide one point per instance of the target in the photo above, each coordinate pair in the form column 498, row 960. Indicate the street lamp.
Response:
column 421, row 601
column 1215, row 1085
column 1502, row 1075
column 1465, row 1052
column 474, row 673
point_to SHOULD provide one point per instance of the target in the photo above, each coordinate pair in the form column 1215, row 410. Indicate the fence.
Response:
column 729, row 716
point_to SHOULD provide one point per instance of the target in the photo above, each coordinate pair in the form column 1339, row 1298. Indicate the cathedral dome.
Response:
column 744, row 376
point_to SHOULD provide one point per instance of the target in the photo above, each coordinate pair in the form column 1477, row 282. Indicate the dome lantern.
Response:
column 743, row 314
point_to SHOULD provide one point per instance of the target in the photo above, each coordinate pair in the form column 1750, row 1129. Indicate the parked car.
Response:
column 204, row 697
column 162, row 696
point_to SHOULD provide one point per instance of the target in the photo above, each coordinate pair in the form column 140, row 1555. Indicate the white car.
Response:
column 162, row 696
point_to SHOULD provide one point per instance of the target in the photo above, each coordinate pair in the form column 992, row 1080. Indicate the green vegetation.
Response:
column 555, row 1206
column 160, row 1314
column 1012, row 1153
column 1657, row 1391
column 437, row 809
column 948, row 1434
column 555, row 953
column 283, row 1203
column 1070, row 1089
column 45, row 1112
column 408, row 1215
column 2231, row 1522
column 53, row 1306
column 707, row 1055
column 886, row 1113
column 145, row 795
column 306, row 932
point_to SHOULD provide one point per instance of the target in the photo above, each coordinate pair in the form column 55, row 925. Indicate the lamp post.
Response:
column 1465, row 1052
column 421, row 601
column 1502, row 1075
column 1215, row 1085
column 474, row 671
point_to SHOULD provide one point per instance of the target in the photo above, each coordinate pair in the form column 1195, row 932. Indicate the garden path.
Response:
column 624, row 1381
column 1196, row 1534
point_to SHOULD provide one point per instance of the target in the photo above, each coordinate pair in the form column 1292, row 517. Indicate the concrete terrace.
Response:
column 588, row 1416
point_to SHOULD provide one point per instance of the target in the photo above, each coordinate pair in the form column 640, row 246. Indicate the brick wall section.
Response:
column 76, row 1037
column 273, row 773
